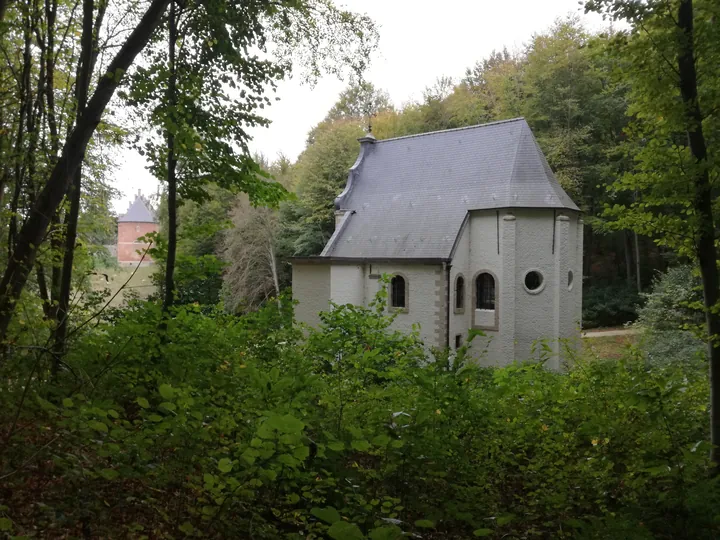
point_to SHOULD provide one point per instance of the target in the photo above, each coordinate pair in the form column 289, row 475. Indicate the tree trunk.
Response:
column 588, row 242
column 273, row 269
column 171, row 164
column 637, row 263
column 702, row 203
column 25, row 103
column 82, row 87
column 33, row 231
column 628, row 257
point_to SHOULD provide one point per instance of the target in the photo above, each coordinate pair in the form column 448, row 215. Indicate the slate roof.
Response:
column 138, row 212
column 408, row 196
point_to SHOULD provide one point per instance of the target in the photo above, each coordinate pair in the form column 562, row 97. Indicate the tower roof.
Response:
column 138, row 212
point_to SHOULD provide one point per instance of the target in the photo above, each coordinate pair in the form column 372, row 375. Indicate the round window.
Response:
column 533, row 281
column 570, row 279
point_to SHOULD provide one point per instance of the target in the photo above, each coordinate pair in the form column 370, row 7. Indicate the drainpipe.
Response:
column 447, row 267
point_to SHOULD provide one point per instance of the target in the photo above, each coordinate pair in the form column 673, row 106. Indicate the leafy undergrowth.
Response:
column 245, row 428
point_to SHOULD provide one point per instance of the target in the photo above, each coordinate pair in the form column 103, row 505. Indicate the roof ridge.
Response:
column 519, row 118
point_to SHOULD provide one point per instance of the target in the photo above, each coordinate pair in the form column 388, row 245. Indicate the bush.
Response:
column 251, row 428
column 671, row 319
column 614, row 304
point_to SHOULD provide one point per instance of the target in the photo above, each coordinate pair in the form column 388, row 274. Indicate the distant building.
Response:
column 475, row 232
column 138, row 221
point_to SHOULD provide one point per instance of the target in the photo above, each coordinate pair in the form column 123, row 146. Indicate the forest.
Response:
column 202, row 410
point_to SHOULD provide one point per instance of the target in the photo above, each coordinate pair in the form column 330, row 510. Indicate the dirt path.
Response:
column 609, row 333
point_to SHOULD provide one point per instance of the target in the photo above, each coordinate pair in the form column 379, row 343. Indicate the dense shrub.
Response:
column 613, row 304
column 671, row 319
column 250, row 428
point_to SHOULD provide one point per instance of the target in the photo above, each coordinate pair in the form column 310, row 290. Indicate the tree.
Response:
column 360, row 100
column 49, row 198
column 215, row 91
column 89, row 48
column 669, row 59
column 321, row 171
column 253, row 269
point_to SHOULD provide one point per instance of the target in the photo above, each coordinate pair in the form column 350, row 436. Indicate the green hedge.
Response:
column 613, row 304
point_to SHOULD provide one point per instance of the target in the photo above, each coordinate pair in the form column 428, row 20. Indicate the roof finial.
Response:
column 368, row 137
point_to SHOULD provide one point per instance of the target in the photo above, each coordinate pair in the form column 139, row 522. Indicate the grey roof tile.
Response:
column 409, row 195
column 138, row 212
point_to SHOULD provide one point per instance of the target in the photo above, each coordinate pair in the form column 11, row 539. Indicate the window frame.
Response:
column 481, row 304
column 542, row 285
column 461, row 308
column 406, row 282
column 496, row 324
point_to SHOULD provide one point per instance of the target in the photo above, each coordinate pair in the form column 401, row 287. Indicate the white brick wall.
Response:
column 506, row 244
column 311, row 288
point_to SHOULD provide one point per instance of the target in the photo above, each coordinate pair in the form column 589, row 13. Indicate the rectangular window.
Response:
column 458, row 341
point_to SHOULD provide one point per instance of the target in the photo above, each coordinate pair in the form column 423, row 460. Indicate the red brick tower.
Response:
column 138, row 221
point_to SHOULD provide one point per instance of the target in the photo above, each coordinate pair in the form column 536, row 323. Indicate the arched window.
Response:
column 398, row 292
column 485, row 291
column 459, row 293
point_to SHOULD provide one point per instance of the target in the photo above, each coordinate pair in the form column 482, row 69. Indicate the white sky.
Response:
column 420, row 40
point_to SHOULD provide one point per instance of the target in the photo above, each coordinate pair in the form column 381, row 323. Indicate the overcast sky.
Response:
column 420, row 40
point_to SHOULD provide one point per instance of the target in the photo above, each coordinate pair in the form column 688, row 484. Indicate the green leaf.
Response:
column 342, row 530
column 6, row 524
column 301, row 453
column 209, row 480
column 337, row 446
column 249, row 455
column 187, row 528
column 225, row 465
column 109, row 474
column 97, row 426
column 386, row 533
column 425, row 524
column 67, row 402
column 362, row 446
column 288, row 424
column 155, row 418
column 504, row 519
column 143, row 402
column 168, row 406
column 381, row 440
column 287, row 459
column 166, row 391
column 328, row 515
column 482, row 532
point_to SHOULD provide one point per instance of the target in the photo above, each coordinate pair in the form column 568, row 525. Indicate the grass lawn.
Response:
column 608, row 347
column 140, row 284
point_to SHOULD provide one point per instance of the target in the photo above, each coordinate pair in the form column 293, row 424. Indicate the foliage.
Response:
column 240, row 427
column 359, row 100
column 613, row 304
column 671, row 318
column 322, row 172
